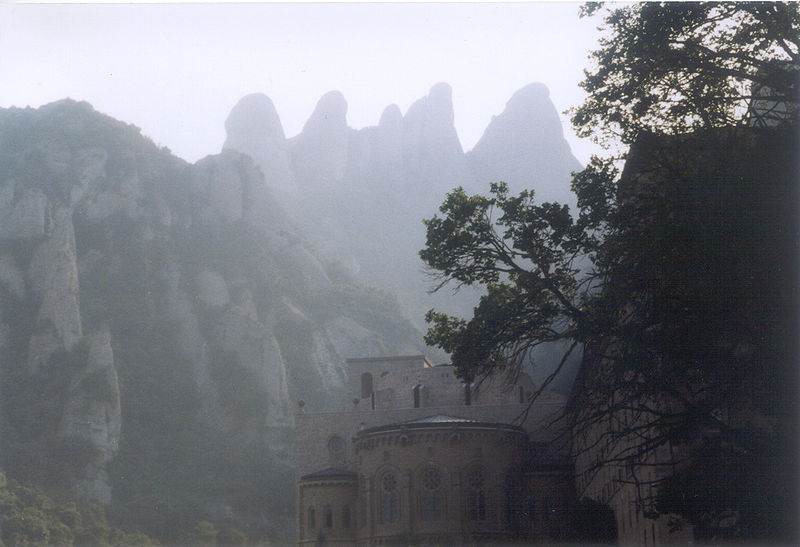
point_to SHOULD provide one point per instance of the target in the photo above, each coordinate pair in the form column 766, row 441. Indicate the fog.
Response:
column 173, row 294
column 176, row 70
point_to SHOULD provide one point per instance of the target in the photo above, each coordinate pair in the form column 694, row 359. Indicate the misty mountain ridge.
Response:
column 159, row 322
column 360, row 195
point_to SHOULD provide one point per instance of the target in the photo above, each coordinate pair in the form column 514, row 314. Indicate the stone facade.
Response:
column 421, row 457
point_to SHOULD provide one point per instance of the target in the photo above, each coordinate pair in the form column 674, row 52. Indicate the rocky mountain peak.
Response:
column 432, row 152
column 330, row 114
column 253, row 121
column 391, row 117
column 254, row 128
column 319, row 152
column 434, row 111
column 532, row 94
column 525, row 147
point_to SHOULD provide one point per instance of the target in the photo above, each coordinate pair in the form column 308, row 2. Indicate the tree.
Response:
column 669, row 68
column 675, row 277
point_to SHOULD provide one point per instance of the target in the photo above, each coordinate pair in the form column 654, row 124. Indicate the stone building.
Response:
column 419, row 456
column 725, row 203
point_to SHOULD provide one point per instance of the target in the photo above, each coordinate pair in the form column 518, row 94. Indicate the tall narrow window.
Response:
column 328, row 517
column 467, row 395
column 416, row 395
column 513, row 505
column 431, row 498
column 366, row 385
column 389, row 499
column 346, row 516
column 521, row 394
column 476, row 495
column 312, row 517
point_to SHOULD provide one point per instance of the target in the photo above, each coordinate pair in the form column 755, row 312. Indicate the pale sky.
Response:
column 176, row 70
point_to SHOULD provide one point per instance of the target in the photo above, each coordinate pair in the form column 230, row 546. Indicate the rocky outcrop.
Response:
column 364, row 193
column 319, row 152
column 25, row 218
column 11, row 276
column 93, row 413
column 221, row 309
column 229, row 187
column 212, row 289
column 524, row 146
column 254, row 128
column 255, row 347
column 432, row 153
column 53, row 275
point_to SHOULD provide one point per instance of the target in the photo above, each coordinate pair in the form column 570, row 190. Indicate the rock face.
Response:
column 24, row 219
column 525, row 147
column 54, row 276
column 319, row 152
column 254, row 128
column 432, row 153
column 93, row 413
column 209, row 315
column 362, row 194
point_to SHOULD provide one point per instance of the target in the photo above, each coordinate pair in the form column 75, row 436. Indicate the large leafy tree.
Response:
column 679, row 66
column 675, row 276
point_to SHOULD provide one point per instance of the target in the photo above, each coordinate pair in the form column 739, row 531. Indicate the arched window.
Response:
column 467, row 394
column 312, row 518
column 417, row 389
column 389, row 499
column 328, row 517
column 476, row 495
column 431, row 498
column 346, row 516
column 366, row 385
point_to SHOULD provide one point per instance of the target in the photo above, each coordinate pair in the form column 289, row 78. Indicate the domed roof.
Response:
column 438, row 420
column 330, row 473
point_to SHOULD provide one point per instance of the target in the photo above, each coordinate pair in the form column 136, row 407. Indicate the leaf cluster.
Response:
column 673, row 67
column 526, row 255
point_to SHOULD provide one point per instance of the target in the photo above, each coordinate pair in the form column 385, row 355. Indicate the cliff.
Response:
column 361, row 194
column 159, row 321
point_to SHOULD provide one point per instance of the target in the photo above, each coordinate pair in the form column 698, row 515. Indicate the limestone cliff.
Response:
column 154, row 313
column 93, row 412
column 363, row 193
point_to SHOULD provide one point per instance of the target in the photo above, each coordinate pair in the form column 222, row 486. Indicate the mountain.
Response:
column 160, row 321
column 361, row 195
column 525, row 147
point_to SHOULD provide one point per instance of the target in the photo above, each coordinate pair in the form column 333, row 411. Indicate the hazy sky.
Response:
column 176, row 70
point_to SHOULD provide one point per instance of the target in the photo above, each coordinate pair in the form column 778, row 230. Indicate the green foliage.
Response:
column 32, row 518
column 525, row 254
column 202, row 533
column 672, row 67
column 231, row 536
column 678, row 274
